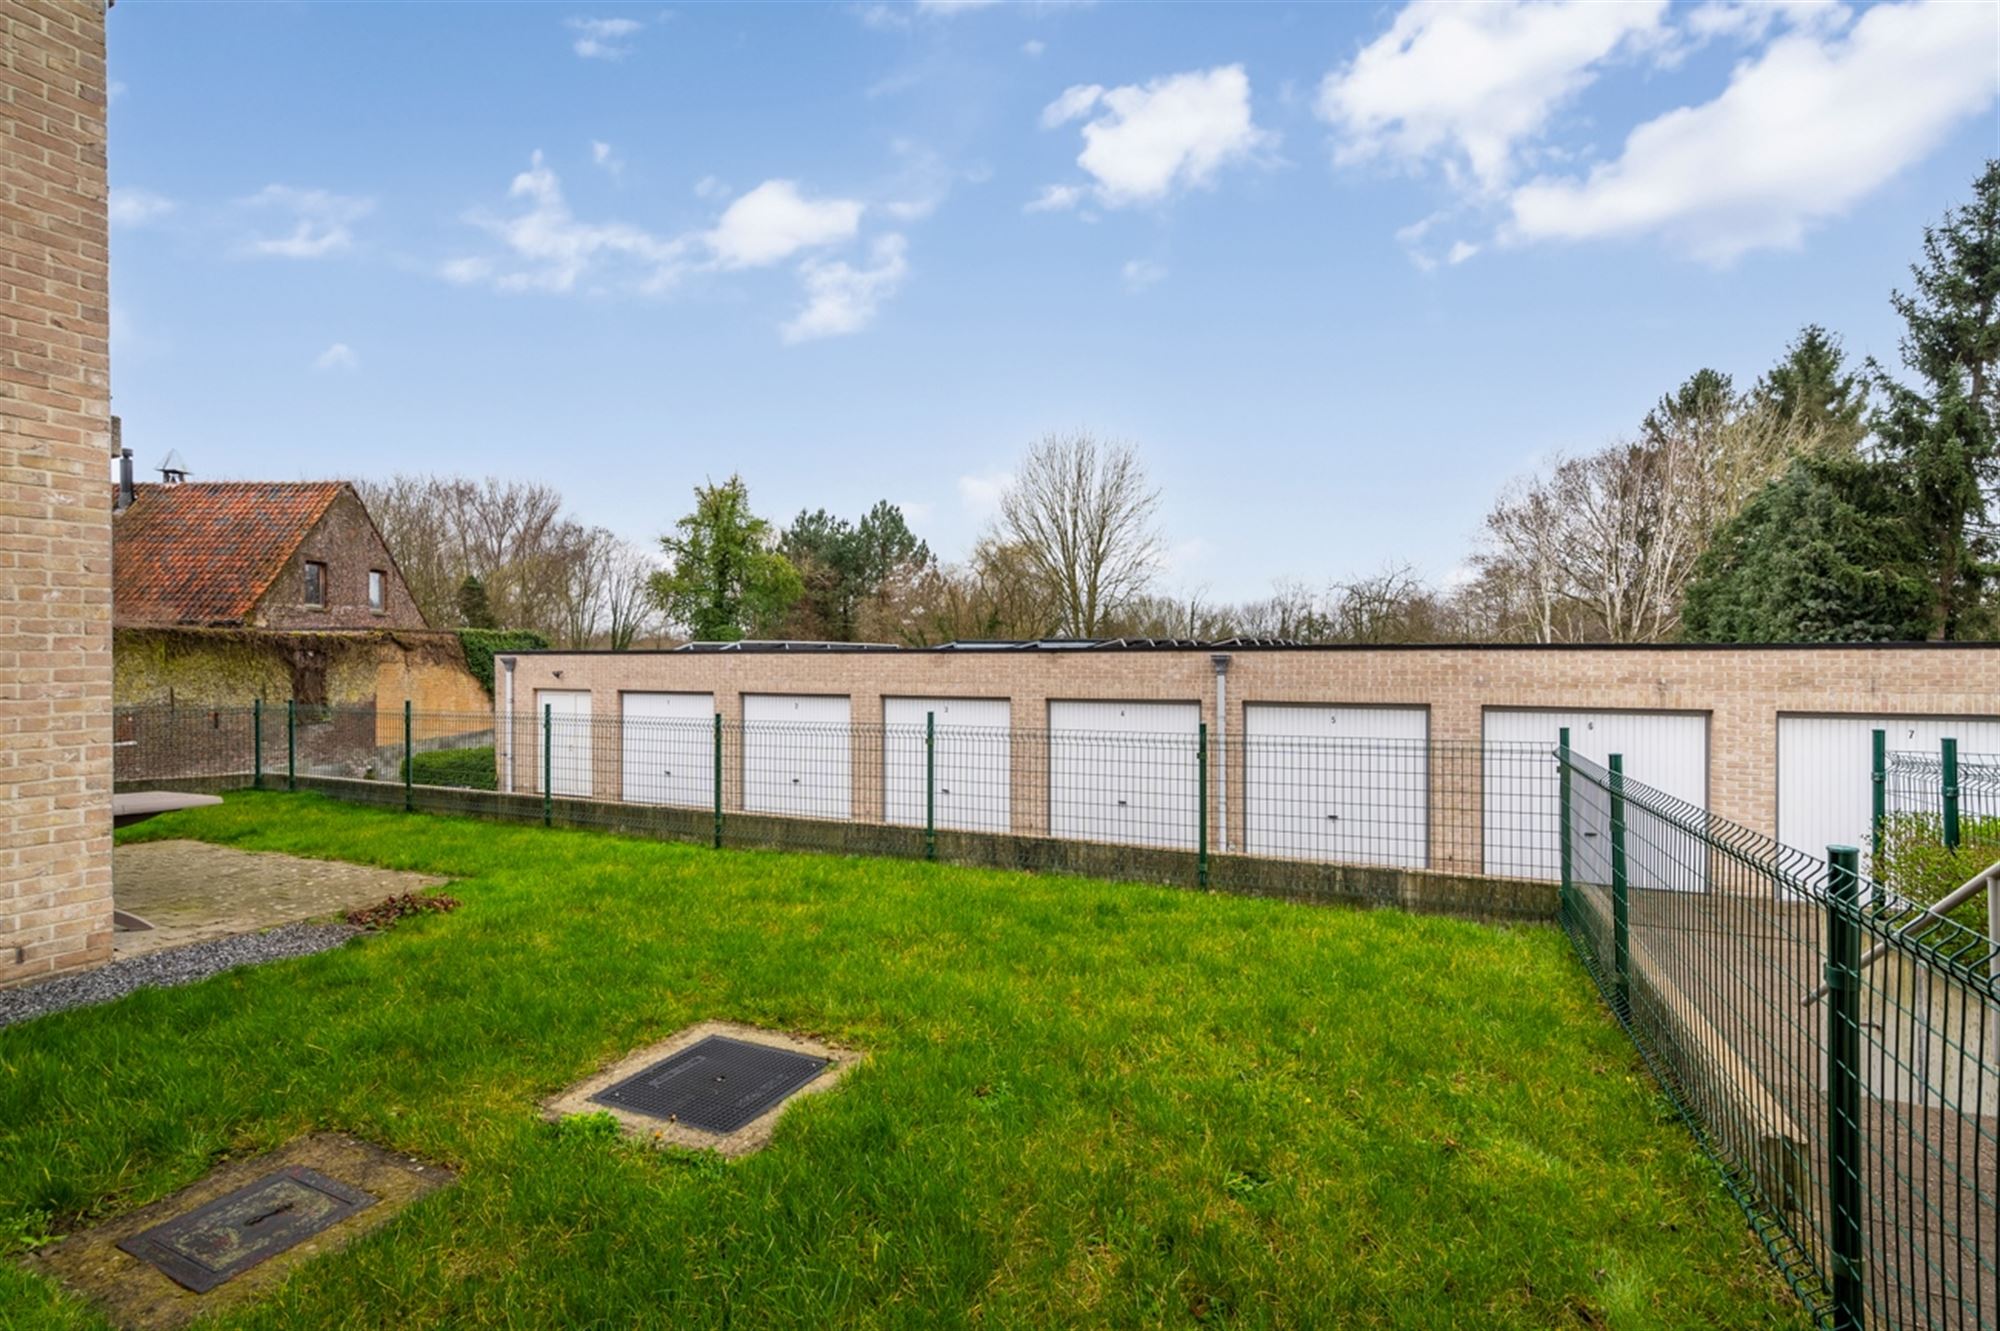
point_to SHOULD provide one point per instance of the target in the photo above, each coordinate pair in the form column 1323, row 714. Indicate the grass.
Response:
column 1085, row 1104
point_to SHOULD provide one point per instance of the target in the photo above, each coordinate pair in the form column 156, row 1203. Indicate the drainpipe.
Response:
column 507, row 724
column 124, row 480
column 1221, row 764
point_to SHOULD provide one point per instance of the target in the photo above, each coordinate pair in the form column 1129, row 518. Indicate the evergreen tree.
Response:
column 843, row 564
column 1822, row 554
column 1940, row 431
column 725, row 581
column 1813, row 391
column 475, row 608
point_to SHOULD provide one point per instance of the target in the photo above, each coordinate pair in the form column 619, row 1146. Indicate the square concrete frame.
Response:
column 752, row 1136
column 138, row 1295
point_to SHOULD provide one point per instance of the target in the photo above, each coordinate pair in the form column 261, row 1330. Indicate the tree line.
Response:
column 1825, row 502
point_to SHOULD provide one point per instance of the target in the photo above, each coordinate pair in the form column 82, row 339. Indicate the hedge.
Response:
column 469, row 769
column 481, row 644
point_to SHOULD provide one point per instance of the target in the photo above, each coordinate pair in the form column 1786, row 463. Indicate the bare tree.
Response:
column 1081, row 512
column 1602, row 547
column 542, row 570
column 629, row 610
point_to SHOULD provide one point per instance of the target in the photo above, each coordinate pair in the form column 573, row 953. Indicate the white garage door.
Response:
column 568, row 757
column 797, row 755
column 669, row 748
column 1826, row 771
column 972, row 762
column 1350, row 784
column 1124, row 771
column 1665, row 750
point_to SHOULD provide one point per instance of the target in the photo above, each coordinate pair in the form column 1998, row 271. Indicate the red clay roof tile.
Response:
column 205, row 553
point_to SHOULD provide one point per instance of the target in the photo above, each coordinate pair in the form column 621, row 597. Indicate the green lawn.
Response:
column 1085, row 1103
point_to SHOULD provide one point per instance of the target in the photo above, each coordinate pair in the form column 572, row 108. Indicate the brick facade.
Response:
column 55, row 515
column 345, row 541
column 1740, row 690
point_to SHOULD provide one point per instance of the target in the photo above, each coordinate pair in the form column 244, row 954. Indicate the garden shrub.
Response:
column 469, row 769
column 1916, row 863
column 480, row 645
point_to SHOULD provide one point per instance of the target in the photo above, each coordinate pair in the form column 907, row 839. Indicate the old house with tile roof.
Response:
column 290, row 555
column 229, row 592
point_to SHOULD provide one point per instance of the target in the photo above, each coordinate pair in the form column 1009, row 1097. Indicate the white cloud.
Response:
column 551, row 250
column 953, row 6
column 1075, row 101
column 1033, row 47
column 323, row 222
column 711, row 187
column 1460, row 251
column 603, row 38
column 1470, row 84
column 1054, row 199
column 1139, row 274
column 605, row 158
column 130, row 206
column 339, row 356
column 982, row 494
column 841, row 298
column 1802, row 132
column 1172, row 133
column 774, row 222
column 115, row 91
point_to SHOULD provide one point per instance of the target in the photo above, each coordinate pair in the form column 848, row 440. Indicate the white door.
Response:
column 797, row 755
column 973, row 764
column 1124, row 771
column 1348, row 784
column 568, row 758
column 668, row 752
column 1667, row 751
column 1826, row 771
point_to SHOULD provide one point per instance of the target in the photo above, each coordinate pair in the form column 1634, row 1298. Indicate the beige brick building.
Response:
column 55, row 515
column 1738, row 694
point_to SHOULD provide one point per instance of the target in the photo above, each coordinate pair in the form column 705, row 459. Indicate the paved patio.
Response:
column 191, row 891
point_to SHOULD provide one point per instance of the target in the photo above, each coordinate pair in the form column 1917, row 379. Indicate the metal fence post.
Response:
column 1621, row 929
column 1879, row 808
column 1568, row 881
column 409, row 763
column 257, row 743
column 291, row 744
column 718, row 780
column 1201, row 804
column 1843, row 1087
column 930, row 785
column 548, row 765
column 1949, row 770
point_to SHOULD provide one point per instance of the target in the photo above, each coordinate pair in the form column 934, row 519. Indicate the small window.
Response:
column 378, row 589
column 315, row 583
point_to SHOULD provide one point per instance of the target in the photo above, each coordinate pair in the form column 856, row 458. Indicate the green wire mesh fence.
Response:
column 1351, row 818
column 1939, row 826
column 1835, row 1049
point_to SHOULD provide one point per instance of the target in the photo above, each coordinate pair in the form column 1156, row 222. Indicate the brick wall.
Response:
column 55, row 518
column 345, row 540
column 1740, row 690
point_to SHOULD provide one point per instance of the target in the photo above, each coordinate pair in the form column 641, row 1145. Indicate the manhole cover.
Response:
column 233, row 1233
column 718, row 1084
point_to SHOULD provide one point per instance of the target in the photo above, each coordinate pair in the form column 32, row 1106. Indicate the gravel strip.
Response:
column 159, row 970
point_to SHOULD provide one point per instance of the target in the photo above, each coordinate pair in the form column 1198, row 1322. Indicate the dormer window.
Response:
column 315, row 583
column 378, row 590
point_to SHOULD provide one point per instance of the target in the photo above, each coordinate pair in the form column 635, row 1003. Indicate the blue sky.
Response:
column 1339, row 272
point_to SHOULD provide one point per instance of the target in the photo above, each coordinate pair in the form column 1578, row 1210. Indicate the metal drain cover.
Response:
column 717, row 1084
column 231, row 1234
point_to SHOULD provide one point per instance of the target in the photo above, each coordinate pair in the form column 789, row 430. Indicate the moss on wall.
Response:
column 230, row 667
